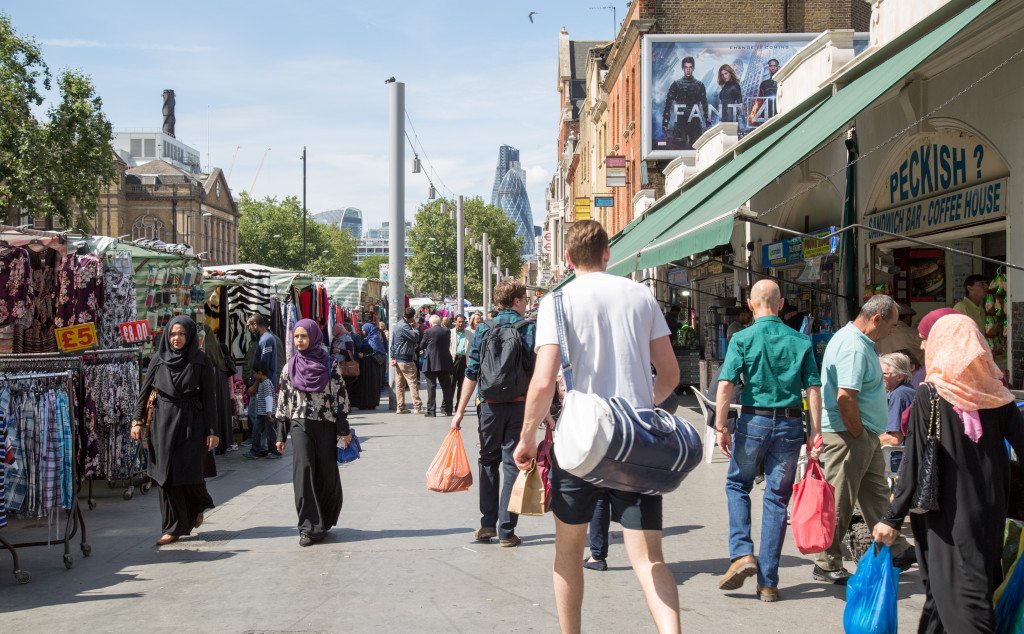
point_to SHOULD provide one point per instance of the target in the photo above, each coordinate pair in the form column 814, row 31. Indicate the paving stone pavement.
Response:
column 402, row 560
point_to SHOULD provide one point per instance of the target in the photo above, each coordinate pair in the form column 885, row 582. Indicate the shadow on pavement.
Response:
column 345, row 534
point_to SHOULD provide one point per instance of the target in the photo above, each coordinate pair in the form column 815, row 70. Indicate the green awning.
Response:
column 700, row 217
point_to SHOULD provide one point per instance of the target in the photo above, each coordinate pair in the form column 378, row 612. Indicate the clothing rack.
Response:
column 75, row 519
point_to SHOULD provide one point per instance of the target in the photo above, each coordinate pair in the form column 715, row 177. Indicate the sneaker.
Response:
column 247, row 443
column 837, row 577
column 767, row 595
column 262, row 454
column 232, row 447
column 418, row 411
column 250, row 455
column 905, row 559
column 738, row 572
column 273, row 455
column 510, row 542
column 595, row 564
column 305, row 539
column 484, row 534
column 402, row 411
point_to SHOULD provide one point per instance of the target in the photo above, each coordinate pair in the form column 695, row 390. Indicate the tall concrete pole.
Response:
column 396, row 208
column 460, row 257
column 485, row 278
column 305, row 262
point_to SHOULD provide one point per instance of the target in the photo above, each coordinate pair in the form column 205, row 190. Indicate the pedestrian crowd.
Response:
column 881, row 383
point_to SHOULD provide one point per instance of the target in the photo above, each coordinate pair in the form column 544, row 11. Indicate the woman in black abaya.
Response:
column 223, row 369
column 959, row 546
column 313, row 403
column 182, row 433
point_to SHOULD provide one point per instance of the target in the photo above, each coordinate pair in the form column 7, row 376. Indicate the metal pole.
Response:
column 396, row 207
column 304, row 208
column 497, row 270
column 485, row 278
column 460, row 257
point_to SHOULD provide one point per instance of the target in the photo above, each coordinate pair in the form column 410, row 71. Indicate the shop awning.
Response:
column 347, row 291
column 280, row 280
column 700, row 217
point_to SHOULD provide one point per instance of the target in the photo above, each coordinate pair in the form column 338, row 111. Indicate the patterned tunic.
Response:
column 16, row 292
column 79, row 294
column 118, row 303
column 293, row 404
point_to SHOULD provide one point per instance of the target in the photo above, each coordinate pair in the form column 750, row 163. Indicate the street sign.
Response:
column 582, row 208
column 615, row 171
column 615, row 161
column 135, row 331
column 75, row 338
column 604, row 201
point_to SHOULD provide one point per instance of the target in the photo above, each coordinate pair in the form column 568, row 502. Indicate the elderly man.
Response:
column 438, row 366
column 854, row 415
column 776, row 363
column 896, row 373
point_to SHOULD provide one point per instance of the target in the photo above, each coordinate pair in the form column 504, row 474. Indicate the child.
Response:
column 264, row 413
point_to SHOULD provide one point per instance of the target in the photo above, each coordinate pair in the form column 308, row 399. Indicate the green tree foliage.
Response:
column 52, row 166
column 432, row 241
column 370, row 266
column 270, row 233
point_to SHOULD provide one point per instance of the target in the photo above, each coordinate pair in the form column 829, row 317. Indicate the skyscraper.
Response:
column 349, row 218
column 506, row 154
column 511, row 197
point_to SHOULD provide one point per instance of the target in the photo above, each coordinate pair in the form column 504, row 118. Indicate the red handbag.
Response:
column 544, row 464
column 813, row 519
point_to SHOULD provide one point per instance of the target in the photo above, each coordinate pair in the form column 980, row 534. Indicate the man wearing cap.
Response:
column 904, row 337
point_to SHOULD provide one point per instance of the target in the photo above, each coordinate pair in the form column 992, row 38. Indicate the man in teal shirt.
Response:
column 776, row 363
column 461, row 338
column 854, row 413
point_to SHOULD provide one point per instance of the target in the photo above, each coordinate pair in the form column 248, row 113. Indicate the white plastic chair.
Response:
column 706, row 406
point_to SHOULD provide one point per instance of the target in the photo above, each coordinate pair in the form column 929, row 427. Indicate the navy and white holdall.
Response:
column 612, row 444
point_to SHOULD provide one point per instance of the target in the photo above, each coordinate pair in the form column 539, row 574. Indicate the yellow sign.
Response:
column 583, row 209
column 75, row 338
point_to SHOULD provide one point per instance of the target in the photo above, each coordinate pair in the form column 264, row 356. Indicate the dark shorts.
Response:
column 573, row 500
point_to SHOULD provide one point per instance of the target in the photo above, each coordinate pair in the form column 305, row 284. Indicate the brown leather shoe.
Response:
column 166, row 539
column 738, row 572
column 767, row 595
column 484, row 534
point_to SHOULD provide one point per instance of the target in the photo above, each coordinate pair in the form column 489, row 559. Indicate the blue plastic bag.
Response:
column 871, row 595
column 1010, row 609
column 350, row 453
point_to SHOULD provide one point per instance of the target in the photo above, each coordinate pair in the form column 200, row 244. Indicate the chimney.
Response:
column 169, row 112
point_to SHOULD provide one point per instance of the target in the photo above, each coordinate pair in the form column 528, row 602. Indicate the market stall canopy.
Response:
column 419, row 302
column 700, row 215
column 347, row 291
column 280, row 280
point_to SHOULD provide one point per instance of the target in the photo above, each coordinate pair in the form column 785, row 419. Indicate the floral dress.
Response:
column 16, row 291
column 80, row 292
column 118, row 303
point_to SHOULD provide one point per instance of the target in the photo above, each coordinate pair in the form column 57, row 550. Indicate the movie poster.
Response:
column 692, row 83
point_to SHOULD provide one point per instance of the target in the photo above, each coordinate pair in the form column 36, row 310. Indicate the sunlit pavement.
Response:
column 402, row 560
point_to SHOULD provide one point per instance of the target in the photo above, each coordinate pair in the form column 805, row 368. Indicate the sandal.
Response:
column 166, row 539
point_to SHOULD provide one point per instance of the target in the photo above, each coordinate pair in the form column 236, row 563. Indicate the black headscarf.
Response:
column 176, row 368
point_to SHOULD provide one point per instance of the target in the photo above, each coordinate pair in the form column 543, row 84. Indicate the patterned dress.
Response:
column 80, row 293
column 118, row 303
column 16, row 292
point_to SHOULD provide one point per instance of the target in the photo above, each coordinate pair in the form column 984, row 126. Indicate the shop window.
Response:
column 150, row 148
column 136, row 147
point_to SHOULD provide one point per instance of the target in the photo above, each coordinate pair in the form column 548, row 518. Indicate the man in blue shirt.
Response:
column 854, row 414
column 500, row 422
column 266, row 353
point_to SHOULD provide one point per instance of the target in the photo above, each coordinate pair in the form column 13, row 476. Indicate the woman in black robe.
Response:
column 959, row 546
column 182, row 433
column 372, row 369
column 313, row 404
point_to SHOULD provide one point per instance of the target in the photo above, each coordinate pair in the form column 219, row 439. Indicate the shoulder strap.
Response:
column 563, row 342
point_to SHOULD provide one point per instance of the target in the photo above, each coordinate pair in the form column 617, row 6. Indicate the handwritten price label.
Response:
column 75, row 338
column 135, row 331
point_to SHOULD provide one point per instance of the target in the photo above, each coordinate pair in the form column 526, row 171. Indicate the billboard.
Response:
column 693, row 82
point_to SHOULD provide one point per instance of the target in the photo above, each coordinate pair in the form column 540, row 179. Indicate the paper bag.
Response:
column 527, row 493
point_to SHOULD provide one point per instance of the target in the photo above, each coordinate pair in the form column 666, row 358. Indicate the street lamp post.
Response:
column 206, row 233
column 304, row 207
column 460, row 257
column 486, row 277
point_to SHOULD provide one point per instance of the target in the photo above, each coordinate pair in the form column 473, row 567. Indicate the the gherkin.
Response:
column 513, row 200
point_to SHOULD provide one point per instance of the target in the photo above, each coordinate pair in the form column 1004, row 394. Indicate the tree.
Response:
column 432, row 241
column 55, row 167
column 270, row 233
column 370, row 266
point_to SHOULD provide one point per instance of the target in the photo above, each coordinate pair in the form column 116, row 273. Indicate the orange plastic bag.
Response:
column 450, row 472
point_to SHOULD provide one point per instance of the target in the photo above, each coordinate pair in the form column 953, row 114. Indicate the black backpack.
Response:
column 506, row 363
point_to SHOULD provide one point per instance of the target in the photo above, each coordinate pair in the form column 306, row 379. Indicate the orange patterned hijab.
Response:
column 959, row 364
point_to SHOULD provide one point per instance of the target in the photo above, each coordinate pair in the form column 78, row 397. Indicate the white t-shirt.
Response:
column 610, row 323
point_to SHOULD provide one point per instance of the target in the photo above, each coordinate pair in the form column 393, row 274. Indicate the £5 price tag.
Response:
column 78, row 337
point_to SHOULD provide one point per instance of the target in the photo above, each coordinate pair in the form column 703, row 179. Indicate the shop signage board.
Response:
column 135, row 331
column 75, row 338
column 582, row 208
column 814, row 247
column 951, row 210
column 604, row 201
column 796, row 250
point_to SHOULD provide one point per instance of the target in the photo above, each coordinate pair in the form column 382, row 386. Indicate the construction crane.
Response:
column 258, row 169
column 233, row 157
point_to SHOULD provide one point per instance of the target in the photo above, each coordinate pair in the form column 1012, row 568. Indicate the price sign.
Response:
column 75, row 338
column 135, row 331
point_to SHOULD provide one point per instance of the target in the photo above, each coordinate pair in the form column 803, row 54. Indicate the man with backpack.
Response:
column 501, row 362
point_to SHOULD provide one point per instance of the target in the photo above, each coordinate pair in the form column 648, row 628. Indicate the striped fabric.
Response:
column 250, row 296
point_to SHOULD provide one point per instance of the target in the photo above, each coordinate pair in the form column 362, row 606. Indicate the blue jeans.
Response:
column 775, row 443
column 264, row 438
column 598, row 529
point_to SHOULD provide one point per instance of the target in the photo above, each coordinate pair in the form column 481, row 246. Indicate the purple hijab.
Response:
column 309, row 369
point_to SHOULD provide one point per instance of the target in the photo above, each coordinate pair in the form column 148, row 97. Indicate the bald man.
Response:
column 775, row 363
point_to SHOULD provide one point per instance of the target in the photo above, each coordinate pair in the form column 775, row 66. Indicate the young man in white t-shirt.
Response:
column 615, row 332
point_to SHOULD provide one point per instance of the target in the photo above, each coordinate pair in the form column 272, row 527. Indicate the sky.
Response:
column 255, row 75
